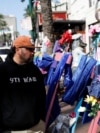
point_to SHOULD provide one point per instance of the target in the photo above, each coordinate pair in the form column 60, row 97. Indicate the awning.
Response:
column 68, row 24
column 62, row 25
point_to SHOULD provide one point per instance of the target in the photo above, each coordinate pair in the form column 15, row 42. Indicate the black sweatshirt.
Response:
column 22, row 95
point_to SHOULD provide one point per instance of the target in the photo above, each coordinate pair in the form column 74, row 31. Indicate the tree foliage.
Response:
column 3, row 23
column 47, row 22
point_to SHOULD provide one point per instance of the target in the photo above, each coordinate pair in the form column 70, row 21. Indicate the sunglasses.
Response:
column 30, row 49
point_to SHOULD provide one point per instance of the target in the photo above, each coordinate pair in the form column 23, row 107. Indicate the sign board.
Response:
column 55, row 16
column 26, row 23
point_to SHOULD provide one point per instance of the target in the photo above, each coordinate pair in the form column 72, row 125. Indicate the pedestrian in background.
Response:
column 77, row 53
column 22, row 95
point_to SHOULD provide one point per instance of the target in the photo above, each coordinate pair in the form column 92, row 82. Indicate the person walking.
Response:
column 22, row 93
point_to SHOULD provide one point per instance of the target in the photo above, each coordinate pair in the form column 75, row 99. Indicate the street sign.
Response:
column 26, row 24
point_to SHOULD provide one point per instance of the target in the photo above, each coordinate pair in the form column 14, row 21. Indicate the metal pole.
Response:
column 33, row 31
column 31, row 10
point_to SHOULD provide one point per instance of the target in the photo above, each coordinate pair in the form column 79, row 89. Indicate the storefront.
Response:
column 75, row 25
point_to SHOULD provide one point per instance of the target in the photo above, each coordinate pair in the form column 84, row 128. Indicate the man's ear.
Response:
column 17, row 49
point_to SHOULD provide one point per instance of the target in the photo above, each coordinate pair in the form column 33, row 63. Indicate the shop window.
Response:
column 92, row 3
column 97, row 10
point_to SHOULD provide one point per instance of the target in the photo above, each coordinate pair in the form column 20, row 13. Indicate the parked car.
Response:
column 4, row 51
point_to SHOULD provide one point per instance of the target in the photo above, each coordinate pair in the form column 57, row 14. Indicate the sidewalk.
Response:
column 80, row 128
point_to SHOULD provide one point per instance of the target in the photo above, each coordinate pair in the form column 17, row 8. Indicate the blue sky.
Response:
column 16, row 8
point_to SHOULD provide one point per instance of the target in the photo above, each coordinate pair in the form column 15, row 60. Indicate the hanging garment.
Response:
column 93, row 90
column 80, row 78
column 75, row 78
column 44, row 61
column 86, row 75
column 53, row 67
column 67, row 75
column 67, row 68
column 51, row 72
column 57, row 47
column 52, row 104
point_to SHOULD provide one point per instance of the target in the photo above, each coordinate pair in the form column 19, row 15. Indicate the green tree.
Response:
column 47, row 22
column 32, row 14
column 27, row 12
column 3, row 26
column 3, row 23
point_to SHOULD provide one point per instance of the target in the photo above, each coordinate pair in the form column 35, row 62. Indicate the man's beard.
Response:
column 29, row 60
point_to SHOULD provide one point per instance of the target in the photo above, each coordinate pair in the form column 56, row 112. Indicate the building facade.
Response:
column 84, row 10
column 12, row 25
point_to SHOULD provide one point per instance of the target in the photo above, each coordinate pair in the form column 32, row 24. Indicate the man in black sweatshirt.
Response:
column 22, row 91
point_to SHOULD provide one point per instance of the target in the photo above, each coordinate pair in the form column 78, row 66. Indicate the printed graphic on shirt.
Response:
column 24, row 79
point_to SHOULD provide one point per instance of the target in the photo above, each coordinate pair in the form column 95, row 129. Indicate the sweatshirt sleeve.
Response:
column 42, row 100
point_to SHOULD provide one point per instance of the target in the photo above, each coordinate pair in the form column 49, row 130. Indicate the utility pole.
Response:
column 31, row 10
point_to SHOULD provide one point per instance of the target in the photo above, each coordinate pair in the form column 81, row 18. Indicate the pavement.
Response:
column 80, row 128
